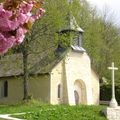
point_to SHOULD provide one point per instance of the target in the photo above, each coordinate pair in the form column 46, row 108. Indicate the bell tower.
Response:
column 74, row 29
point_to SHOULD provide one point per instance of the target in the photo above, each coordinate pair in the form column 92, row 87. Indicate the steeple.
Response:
column 73, row 27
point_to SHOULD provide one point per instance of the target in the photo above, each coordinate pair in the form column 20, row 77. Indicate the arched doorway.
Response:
column 76, row 97
column 80, row 92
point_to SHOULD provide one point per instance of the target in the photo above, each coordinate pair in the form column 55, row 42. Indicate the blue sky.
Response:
column 112, row 5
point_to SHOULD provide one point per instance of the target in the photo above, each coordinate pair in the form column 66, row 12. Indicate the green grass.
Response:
column 60, row 112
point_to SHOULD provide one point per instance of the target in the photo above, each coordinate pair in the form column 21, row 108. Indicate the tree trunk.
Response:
column 25, row 70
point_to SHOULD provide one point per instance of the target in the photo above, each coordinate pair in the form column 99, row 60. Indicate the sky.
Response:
column 111, row 5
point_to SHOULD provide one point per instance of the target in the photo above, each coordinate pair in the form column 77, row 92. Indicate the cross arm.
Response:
column 112, row 68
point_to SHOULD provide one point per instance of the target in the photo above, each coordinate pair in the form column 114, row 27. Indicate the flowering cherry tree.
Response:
column 16, row 19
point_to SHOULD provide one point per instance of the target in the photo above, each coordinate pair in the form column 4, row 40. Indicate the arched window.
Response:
column 5, row 93
column 59, row 91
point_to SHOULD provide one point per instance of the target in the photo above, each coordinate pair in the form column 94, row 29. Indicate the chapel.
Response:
column 65, row 78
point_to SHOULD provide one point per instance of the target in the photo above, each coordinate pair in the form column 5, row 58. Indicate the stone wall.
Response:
column 39, row 89
column 113, row 113
column 56, row 79
column 15, row 90
column 95, row 88
column 78, row 68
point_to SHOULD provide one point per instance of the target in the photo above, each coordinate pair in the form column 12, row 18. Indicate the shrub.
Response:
column 106, row 92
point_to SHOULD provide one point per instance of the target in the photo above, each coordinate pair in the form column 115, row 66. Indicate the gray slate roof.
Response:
column 12, row 65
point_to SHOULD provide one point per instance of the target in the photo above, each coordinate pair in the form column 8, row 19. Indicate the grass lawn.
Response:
column 49, row 112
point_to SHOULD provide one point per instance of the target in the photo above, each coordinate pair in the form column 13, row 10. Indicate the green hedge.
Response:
column 106, row 92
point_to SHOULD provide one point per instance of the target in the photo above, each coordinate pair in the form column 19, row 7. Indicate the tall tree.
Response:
column 43, row 36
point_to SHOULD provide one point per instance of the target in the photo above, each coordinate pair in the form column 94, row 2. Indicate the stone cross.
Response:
column 113, row 102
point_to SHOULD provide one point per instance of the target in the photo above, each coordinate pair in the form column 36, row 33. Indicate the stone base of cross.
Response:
column 113, row 103
column 112, row 113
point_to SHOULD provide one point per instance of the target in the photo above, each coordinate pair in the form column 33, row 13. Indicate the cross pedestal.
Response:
column 113, row 102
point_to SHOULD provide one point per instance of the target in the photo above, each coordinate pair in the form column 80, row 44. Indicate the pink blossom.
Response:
column 26, row 7
column 5, row 13
column 22, row 18
column 6, row 43
column 20, row 35
column 13, row 23
column 5, row 23
column 38, row 14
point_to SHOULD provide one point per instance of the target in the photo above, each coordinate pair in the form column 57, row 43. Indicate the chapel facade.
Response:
column 77, row 82
column 68, row 78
